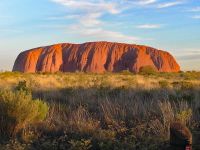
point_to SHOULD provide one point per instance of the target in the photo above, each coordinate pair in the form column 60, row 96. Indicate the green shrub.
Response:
column 80, row 144
column 163, row 84
column 148, row 70
column 126, row 72
column 8, row 74
column 191, row 75
column 184, row 116
column 22, row 86
column 13, row 145
column 183, row 85
column 17, row 110
column 187, row 85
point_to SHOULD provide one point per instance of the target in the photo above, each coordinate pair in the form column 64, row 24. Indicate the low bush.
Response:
column 13, row 145
column 184, row 116
column 17, row 110
column 183, row 85
column 22, row 86
column 80, row 145
column 148, row 70
column 126, row 72
column 164, row 84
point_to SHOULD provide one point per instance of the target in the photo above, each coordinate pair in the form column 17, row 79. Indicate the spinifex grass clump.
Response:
column 22, row 86
column 147, row 70
column 163, row 84
column 17, row 110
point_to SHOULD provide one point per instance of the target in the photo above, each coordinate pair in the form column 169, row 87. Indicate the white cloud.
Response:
column 54, row 26
column 195, row 9
column 101, row 34
column 91, row 5
column 140, row 2
column 90, row 11
column 90, row 20
column 146, row 2
column 196, row 17
column 189, row 54
column 62, row 17
column 10, row 30
column 155, row 3
column 89, row 23
column 170, row 4
column 149, row 26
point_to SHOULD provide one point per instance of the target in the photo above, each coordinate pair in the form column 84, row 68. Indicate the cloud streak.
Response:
column 91, row 6
column 143, row 2
column 101, row 34
column 169, row 4
column 149, row 26
column 195, row 9
column 189, row 54
column 62, row 17
column 146, row 2
column 196, row 17
column 89, row 23
column 10, row 30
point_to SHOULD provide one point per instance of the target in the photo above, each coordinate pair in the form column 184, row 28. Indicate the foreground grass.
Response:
column 105, row 111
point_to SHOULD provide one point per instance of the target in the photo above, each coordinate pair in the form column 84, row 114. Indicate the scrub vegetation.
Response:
column 85, row 111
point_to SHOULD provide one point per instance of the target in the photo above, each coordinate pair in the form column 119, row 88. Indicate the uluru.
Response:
column 97, row 57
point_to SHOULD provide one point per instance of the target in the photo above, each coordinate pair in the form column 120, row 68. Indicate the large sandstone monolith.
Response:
column 95, row 57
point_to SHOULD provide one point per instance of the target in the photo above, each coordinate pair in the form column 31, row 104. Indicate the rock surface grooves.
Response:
column 97, row 57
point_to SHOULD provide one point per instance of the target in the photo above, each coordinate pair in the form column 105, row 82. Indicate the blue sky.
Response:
column 172, row 25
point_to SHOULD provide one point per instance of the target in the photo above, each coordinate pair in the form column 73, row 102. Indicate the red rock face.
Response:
column 95, row 57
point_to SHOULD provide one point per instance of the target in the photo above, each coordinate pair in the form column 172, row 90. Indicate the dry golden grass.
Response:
column 124, row 111
column 74, row 80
